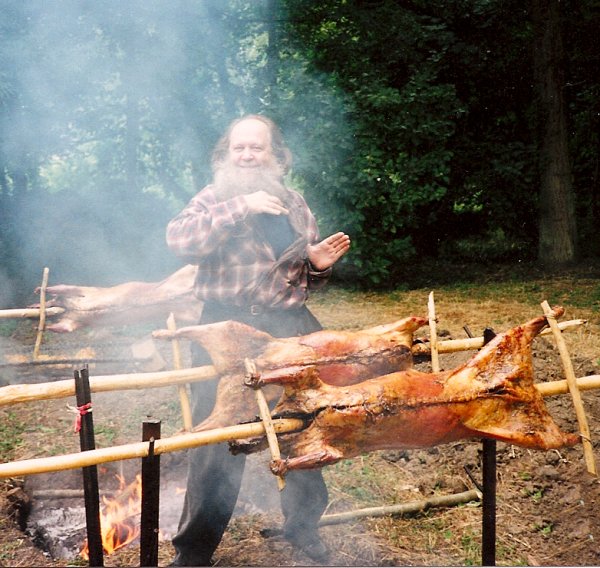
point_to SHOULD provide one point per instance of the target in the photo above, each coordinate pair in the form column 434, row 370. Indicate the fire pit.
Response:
column 57, row 519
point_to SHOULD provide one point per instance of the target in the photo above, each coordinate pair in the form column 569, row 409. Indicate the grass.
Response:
column 11, row 434
column 494, row 301
column 7, row 327
column 495, row 297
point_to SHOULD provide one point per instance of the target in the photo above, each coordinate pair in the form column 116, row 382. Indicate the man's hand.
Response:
column 263, row 202
column 328, row 251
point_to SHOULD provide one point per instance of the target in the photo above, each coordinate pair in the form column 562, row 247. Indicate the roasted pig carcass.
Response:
column 491, row 396
column 130, row 302
column 338, row 357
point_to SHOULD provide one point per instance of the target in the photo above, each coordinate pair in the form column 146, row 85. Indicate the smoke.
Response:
column 99, row 136
column 110, row 110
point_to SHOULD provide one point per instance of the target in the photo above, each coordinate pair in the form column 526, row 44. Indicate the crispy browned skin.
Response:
column 126, row 303
column 492, row 396
column 339, row 357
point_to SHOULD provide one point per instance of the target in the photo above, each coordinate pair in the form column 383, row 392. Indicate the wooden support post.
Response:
column 265, row 415
column 42, row 322
column 584, row 429
column 435, row 360
column 85, row 425
column 150, row 496
column 186, row 409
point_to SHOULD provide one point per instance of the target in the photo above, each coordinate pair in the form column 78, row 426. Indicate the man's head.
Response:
column 254, row 128
column 251, row 156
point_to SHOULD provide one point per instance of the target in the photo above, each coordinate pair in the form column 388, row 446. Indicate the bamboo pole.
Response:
column 588, row 450
column 265, row 415
column 42, row 322
column 30, row 312
column 54, row 360
column 454, row 345
column 62, row 493
column 590, row 382
column 435, row 361
column 401, row 508
column 184, row 400
column 141, row 449
column 11, row 394
column 190, row 440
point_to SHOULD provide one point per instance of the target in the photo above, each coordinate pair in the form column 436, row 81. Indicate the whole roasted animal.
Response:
column 130, row 302
column 338, row 358
column 491, row 396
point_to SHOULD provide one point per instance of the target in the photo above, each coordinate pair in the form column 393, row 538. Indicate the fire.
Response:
column 119, row 518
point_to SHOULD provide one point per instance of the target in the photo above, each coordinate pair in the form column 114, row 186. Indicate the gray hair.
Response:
column 282, row 154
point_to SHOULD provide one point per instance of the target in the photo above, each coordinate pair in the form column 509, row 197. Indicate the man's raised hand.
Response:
column 328, row 251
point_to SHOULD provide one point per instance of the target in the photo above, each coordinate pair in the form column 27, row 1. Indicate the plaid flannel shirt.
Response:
column 236, row 266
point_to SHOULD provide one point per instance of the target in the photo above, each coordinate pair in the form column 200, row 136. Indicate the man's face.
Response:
column 250, row 145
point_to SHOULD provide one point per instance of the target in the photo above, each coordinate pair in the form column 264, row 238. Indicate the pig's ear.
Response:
column 408, row 324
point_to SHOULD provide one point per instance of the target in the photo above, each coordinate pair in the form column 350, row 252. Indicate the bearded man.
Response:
column 259, row 254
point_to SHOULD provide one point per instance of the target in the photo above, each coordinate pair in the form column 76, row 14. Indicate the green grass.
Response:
column 7, row 327
column 11, row 434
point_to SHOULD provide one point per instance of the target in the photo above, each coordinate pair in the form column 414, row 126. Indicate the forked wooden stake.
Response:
column 435, row 360
column 42, row 322
column 588, row 451
column 265, row 415
column 186, row 411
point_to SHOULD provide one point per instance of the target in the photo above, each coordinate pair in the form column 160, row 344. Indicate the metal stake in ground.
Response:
column 488, row 467
column 488, row 523
column 85, row 425
column 150, row 497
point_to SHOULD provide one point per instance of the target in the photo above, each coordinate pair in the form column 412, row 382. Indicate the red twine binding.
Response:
column 82, row 410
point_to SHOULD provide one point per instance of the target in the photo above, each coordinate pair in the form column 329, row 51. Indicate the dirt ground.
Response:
column 547, row 503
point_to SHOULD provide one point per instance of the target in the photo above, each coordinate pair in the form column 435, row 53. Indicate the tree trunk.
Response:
column 272, row 12
column 557, row 223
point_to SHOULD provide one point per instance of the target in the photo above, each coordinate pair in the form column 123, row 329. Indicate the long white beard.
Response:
column 229, row 181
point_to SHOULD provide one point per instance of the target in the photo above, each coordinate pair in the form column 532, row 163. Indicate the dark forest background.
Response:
column 463, row 130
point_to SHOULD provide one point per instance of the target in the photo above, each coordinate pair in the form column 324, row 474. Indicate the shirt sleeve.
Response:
column 204, row 224
column 316, row 278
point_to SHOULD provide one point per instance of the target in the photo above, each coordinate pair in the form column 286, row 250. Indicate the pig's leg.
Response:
column 65, row 290
column 326, row 456
column 65, row 325
column 298, row 376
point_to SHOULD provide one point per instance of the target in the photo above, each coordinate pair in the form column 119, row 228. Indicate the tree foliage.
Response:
column 412, row 124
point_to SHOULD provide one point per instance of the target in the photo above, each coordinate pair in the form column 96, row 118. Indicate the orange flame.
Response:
column 119, row 521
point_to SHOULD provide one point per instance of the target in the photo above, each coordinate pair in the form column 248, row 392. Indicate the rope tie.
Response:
column 79, row 411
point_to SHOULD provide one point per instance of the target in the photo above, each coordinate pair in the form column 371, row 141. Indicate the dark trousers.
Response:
column 215, row 475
